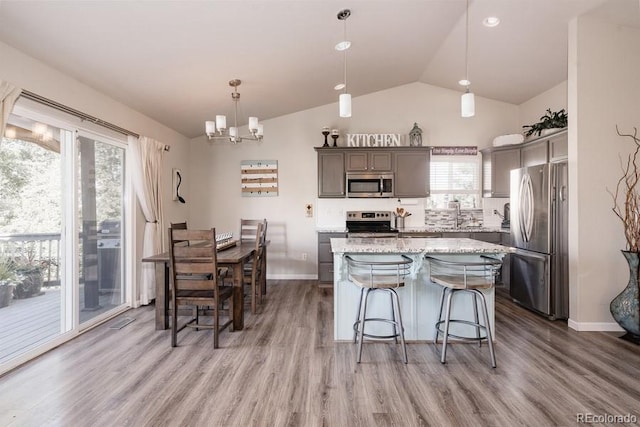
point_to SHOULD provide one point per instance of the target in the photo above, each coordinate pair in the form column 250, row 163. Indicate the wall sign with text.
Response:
column 454, row 151
column 259, row 178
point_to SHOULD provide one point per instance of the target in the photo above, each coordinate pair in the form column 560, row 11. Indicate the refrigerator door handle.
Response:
column 563, row 193
column 526, row 208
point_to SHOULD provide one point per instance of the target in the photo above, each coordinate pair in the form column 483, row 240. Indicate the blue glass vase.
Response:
column 625, row 308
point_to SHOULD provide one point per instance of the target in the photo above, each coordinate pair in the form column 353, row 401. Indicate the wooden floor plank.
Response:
column 284, row 369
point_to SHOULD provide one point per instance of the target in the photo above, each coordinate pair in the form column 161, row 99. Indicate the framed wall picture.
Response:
column 259, row 178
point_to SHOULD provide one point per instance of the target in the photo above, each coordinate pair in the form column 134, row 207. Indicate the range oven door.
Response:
column 369, row 185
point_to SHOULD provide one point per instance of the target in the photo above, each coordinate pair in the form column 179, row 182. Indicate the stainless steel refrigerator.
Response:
column 539, row 269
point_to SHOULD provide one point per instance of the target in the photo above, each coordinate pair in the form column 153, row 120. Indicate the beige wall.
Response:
column 603, row 91
column 33, row 75
column 554, row 98
column 214, row 171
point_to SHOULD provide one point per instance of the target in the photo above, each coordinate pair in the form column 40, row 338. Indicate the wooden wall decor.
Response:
column 259, row 178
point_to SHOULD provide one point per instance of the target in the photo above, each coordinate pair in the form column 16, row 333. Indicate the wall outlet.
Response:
column 304, row 256
column 309, row 210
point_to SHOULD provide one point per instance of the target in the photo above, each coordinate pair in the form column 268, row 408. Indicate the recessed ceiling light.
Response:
column 344, row 45
column 464, row 82
column 491, row 21
column 339, row 86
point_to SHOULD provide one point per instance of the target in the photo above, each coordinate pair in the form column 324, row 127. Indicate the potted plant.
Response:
column 626, row 205
column 7, row 279
column 30, row 274
column 551, row 120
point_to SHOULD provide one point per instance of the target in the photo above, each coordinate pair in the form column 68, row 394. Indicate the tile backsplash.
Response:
column 447, row 217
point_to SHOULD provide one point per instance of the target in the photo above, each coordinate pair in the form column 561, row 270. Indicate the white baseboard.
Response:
column 292, row 277
column 594, row 326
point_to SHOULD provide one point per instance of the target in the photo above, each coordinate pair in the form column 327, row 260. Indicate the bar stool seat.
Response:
column 464, row 276
column 376, row 274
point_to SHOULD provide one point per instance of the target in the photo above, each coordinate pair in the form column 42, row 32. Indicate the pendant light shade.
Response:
column 468, row 104
column 345, row 105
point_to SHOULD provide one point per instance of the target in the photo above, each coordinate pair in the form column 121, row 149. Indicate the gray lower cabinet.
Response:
column 412, row 173
column 331, row 175
column 325, row 256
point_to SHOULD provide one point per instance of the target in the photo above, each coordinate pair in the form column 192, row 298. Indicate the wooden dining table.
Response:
column 234, row 258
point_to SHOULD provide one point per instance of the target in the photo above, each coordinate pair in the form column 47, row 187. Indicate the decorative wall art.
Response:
column 177, row 182
column 259, row 178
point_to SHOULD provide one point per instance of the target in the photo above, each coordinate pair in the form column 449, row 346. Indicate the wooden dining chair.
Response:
column 195, row 280
column 248, row 228
column 253, row 268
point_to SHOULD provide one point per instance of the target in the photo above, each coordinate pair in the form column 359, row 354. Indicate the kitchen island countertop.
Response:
column 416, row 246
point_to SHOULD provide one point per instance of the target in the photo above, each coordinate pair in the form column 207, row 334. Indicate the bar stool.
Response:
column 464, row 277
column 378, row 274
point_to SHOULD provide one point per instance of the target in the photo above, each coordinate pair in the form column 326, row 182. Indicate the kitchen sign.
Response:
column 454, row 151
column 373, row 139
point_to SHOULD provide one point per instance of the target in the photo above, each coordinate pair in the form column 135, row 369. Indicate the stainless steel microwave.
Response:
column 369, row 185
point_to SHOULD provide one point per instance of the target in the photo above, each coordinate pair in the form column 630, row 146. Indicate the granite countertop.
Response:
column 336, row 229
column 463, row 229
column 416, row 246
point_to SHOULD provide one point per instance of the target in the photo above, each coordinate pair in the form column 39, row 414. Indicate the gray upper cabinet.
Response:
column 368, row 161
column 410, row 166
column 545, row 149
column 535, row 154
column 412, row 173
column 559, row 147
column 498, row 162
column 331, row 175
column 496, row 170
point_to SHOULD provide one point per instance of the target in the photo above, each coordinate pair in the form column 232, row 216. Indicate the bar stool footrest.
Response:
column 378, row 337
column 466, row 322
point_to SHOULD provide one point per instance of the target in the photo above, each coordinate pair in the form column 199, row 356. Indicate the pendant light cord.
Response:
column 345, row 56
column 466, row 48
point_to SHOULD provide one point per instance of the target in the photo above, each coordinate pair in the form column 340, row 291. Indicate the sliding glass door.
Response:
column 62, row 234
column 101, row 184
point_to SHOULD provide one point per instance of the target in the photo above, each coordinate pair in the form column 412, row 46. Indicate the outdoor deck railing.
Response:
column 38, row 248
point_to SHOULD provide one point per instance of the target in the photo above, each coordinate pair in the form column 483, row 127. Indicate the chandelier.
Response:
column 218, row 129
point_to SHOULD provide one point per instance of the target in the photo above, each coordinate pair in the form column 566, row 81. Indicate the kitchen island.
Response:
column 419, row 298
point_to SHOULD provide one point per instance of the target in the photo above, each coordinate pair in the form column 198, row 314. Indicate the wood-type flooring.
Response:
column 284, row 369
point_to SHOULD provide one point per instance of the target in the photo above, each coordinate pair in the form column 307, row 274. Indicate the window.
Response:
column 455, row 178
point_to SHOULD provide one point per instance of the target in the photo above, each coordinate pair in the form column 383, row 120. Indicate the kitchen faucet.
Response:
column 456, row 213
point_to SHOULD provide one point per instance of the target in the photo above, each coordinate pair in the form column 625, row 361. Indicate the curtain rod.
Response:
column 74, row 112
column 50, row 103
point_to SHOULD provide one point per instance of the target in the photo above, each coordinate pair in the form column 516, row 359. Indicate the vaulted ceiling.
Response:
column 172, row 60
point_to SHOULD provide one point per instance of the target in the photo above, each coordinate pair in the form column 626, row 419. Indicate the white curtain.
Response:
column 146, row 165
column 8, row 95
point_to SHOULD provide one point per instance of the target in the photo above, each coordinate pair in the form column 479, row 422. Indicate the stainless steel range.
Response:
column 370, row 224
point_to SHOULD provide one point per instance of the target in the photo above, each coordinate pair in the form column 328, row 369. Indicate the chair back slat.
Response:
column 194, row 285
column 192, row 252
column 195, row 267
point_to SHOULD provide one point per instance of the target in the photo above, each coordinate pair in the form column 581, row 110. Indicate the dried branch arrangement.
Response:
column 626, row 199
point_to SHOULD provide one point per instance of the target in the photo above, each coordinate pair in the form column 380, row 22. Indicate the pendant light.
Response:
column 467, row 102
column 344, row 98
